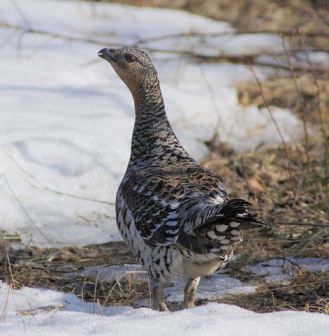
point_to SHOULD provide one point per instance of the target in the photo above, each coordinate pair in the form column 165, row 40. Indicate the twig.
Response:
column 323, row 129
column 82, row 291
column 4, row 310
column 234, row 33
column 301, row 224
column 308, row 9
column 44, row 187
column 7, row 38
column 57, row 35
column 289, row 240
column 22, row 14
column 11, row 288
column 216, row 135
column 10, row 269
column 100, row 307
column 95, row 291
column 293, row 286
column 236, row 59
column 292, row 184
column 317, row 95
column 72, row 195
column 301, row 104
column 25, row 212
column 110, row 292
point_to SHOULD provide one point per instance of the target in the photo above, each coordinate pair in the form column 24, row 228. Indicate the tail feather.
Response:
column 221, row 231
column 235, row 210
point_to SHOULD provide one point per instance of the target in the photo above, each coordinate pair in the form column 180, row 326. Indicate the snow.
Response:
column 66, row 119
column 282, row 270
column 30, row 311
column 213, row 287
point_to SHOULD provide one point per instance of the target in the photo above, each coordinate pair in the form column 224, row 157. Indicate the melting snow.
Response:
column 66, row 119
column 282, row 270
column 44, row 312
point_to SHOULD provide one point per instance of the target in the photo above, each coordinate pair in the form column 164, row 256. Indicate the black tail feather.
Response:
column 237, row 210
column 222, row 229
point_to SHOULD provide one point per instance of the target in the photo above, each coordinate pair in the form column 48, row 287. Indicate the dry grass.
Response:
column 306, row 292
column 281, row 92
column 300, row 16
column 262, row 177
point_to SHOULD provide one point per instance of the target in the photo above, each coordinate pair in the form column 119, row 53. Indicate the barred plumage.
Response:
column 174, row 214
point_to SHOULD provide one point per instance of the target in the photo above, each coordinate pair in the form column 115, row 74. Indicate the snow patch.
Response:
column 33, row 312
column 67, row 119
column 282, row 270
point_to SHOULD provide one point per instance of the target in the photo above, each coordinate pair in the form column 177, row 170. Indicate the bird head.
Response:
column 133, row 66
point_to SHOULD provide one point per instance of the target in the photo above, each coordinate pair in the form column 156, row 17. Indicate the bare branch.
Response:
column 25, row 212
column 324, row 225
column 288, row 33
column 42, row 186
column 22, row 14
column 301, row 104
column 292, row 184
column 236, row 59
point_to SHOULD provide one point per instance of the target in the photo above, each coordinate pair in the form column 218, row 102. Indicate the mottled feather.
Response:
column 174, row 214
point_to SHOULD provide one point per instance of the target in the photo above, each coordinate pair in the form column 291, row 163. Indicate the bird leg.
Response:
column 158, row 302
column 189, row 292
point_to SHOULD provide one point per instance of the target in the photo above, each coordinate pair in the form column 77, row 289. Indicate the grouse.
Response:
column 173, row 213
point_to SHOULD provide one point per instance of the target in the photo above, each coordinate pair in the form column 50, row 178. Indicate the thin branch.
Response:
column 324, row 225
column 236, row 59
column 72, row 195
column 301, row 104
column 293, row 286
column 4, row 310
column 11, row 288
column 25, row 212
column 317, row 95
column 286, row 149
column 323, row 129
column 290, row 33
column 42, row 186
column 22, row 14
column 10, row 269
column 95, row 293
column 216, row 135
column 12, row 33
column 57, row 35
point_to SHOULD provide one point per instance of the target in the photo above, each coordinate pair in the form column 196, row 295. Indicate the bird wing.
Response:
column 162, row 201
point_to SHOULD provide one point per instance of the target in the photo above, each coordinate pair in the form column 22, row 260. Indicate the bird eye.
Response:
column 130, row 58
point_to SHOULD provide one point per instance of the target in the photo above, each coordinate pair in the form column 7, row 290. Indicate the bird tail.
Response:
column 221, row 231
column 238, row 211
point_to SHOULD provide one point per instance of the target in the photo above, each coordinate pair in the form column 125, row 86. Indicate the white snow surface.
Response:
column 66, row 119
column 282, row 270
column 44, row 312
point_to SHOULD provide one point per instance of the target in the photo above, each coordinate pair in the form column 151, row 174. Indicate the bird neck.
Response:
column 152, row 135
column 149, row 104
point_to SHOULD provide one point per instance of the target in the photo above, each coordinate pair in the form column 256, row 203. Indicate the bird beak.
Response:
column 107, row 53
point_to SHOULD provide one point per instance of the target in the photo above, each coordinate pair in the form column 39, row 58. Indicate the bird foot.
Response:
column 188, row 305
column 161, row 307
